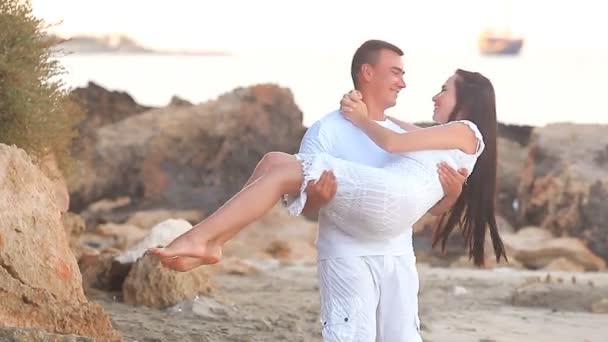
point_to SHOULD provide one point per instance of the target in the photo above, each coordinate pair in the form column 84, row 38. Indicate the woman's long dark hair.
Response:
column 474, row 209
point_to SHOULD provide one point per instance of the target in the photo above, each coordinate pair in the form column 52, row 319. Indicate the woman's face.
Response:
column 445, row 101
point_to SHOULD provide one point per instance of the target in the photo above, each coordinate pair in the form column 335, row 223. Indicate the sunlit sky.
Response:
column 246, row 24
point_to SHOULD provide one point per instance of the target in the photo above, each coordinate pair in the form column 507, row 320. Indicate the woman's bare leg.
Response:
column 268, row 161
column 205, row 240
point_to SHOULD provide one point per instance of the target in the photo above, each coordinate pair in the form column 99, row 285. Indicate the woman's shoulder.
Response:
column 471, row 129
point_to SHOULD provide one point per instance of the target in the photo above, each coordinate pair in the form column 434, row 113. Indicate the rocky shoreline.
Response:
column 119, row 44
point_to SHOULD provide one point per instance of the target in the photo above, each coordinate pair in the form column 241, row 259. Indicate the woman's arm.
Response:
column 443, row 137
column 453, row 136
column 404, row 125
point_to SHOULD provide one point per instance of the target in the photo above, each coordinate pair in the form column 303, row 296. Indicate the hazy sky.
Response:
column 243, row 24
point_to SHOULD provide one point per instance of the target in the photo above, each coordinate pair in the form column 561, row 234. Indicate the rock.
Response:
column 293, row 251
column 36, row 335
column 600, row 306
column 564, row 264
column 516, row 133
column 536, row 248
column 104, row 107
column 179, row 102
column 106, row 205
column 160, row 235
column 49, row 166
column 564, row 186
column 558, row 296
column 102, row 271
column 124, row 235
column 73, row 224
column 236, row 266
column 150, row 218
column 293, row 238
column 40, row 283
column 511, row 161
column 101, row 107
column 455, row 254
column 107, row 210
column 74, row 227
column 189, row 157
column 152, row 285
column 96, row 241
column 460, row 290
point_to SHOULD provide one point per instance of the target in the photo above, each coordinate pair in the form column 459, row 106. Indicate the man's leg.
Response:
column 397, row 318
column 349, row 298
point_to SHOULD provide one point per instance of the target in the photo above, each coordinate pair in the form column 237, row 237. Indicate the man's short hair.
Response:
column 368, row 53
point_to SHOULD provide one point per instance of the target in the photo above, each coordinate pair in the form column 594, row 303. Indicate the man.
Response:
column 368, row 289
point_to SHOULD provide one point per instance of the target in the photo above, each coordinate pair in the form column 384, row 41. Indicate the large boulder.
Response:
column 103, row 107
column 151, row 284
column 536, row 248
column 511, row 161
column 40, row 284
column 189, row 157
column 512, row 152
column 520, row 134
column 50, row 167
column 37, row 335
column 564, row 186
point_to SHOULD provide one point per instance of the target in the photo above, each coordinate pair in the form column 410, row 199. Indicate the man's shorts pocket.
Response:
column 340, row 321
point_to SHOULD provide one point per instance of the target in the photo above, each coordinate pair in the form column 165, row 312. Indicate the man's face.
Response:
column 445, row 101
column 387, row 77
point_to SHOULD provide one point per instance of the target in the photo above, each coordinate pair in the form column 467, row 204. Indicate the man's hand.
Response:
column 452, row 183
column 319, row 193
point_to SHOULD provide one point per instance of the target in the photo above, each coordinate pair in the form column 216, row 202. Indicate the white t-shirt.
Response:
column 335, row 135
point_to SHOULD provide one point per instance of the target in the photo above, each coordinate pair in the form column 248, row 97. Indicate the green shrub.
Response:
column 36, row 113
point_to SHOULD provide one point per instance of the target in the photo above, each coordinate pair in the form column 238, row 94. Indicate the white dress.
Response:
column 377, row 202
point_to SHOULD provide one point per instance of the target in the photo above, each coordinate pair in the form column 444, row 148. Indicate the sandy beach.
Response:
column 281, row 304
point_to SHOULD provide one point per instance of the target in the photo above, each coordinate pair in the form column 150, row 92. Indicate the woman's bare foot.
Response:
column 186, row 253
column 185, row 264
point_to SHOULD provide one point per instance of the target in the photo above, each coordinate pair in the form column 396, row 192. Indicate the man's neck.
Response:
column 374, row 110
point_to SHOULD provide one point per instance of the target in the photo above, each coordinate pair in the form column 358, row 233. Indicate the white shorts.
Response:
column 369, row 299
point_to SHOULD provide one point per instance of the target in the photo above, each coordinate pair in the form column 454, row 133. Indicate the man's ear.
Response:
column 367, row 73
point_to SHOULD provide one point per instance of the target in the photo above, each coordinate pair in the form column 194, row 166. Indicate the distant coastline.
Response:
column 120, row 44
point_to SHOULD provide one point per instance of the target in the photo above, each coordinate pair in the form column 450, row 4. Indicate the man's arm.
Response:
column 319, row 193
column 323, row 190
column 452, row 183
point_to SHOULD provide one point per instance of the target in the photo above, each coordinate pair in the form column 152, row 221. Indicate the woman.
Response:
column 407, row 186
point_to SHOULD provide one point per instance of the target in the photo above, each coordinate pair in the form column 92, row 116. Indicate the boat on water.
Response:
column 492, row 42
